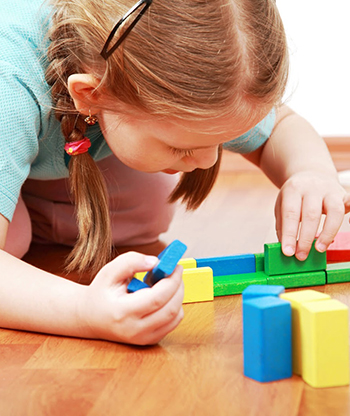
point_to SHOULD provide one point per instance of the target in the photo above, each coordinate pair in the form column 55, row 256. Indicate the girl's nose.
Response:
column 203, row 158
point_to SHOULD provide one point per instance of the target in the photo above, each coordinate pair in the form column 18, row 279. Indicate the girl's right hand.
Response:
column 107, row 311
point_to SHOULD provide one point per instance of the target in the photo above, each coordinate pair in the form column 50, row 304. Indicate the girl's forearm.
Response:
column 34, row 300
column 293, row 147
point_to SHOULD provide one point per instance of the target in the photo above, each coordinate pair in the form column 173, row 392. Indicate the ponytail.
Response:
column 94, row 243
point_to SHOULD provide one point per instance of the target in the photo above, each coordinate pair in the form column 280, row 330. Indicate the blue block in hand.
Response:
column 168, row 260
column 267, row 338
column 136, row 284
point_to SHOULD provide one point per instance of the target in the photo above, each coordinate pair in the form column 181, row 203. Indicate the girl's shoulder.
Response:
column 23, row 31
column 254, row 138
column 23, row 26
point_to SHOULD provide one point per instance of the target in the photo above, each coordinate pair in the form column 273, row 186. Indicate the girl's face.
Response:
column 171, row 145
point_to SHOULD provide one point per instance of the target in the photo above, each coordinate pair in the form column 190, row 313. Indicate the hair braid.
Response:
column 94, row 244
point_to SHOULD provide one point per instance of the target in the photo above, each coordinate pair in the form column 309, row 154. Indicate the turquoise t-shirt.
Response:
column 32, row 144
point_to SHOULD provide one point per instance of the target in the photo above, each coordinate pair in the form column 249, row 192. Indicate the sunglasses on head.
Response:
column 134, row 15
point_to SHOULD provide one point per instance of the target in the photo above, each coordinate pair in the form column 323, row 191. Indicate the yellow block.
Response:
column 297, row 299
column 185, row 263
column 199, row 284
column 140, row 275
column 325, row 346
column 188, row 263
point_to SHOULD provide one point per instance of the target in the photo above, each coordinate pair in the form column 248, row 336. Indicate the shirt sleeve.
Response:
column 19, row 130
column 254, row 138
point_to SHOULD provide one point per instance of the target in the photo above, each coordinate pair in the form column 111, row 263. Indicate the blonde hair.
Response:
column 188, row 59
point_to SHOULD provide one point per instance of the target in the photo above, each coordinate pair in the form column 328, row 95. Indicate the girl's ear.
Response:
column 83, row 89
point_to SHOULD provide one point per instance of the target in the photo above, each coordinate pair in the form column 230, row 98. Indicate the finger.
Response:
column 154, row 326
column 160, row 332
column 123, row 267
column 310, row 221
column 347, row 202
column 167, row 312
column 334, row 210
column 290, row 217
column 278, row 218
column 149, row 301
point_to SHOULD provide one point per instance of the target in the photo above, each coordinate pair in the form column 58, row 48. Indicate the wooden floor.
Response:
column 197, row 369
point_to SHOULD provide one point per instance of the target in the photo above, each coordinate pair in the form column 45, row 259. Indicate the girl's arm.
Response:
column 34, row 300
column 297, row 160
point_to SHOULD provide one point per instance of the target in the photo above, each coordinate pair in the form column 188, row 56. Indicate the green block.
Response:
column 338, row 272
column 259, row 262
column 298, row 279
column 276, row 263
column 234, row 284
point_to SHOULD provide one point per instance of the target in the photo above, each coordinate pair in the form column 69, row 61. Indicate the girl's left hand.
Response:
column 302, row 200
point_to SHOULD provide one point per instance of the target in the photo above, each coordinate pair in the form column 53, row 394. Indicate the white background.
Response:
column 318, row 33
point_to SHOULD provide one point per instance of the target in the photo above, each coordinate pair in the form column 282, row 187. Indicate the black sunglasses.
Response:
column 143, row 5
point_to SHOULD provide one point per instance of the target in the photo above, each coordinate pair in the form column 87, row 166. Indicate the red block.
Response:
column 339, row 250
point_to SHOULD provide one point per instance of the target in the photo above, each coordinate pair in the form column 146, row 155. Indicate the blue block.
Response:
column 224, row 266
column 256, row 291
column 168, row 260
column 136, row 284
column 267, row 338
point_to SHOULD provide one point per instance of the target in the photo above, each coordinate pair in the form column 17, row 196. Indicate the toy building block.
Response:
column 224, row 266
column 140, row 275
column 136, row 284
column 257, row 291
column 267, row 338
column 339, row 250
column 189, row 263
column 198, row 285
column 338, row 272
column 276, row 263
column 259, row 262
column 168, row 260
column 234, row 284
column 325, row 343
column 298, row 279
column 296, row 299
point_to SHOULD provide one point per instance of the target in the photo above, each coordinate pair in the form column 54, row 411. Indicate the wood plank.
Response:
column 195, row 370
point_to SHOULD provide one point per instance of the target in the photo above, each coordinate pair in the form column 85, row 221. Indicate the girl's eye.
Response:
column 182, row 152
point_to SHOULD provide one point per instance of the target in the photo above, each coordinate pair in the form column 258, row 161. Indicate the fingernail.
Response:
column 151, row 261
column 302, row 256
column 288, row 251
column 321, row 247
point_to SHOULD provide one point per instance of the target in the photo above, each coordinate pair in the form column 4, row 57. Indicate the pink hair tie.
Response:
column 78, row 147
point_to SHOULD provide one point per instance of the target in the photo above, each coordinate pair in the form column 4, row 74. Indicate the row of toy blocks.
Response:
column 232, row 274
column 198, row 280
column 274, row 268
column 319, row 332
column 307, row 276
column 245, row 270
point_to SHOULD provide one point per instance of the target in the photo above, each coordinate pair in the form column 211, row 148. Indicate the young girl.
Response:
column 159, row 93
